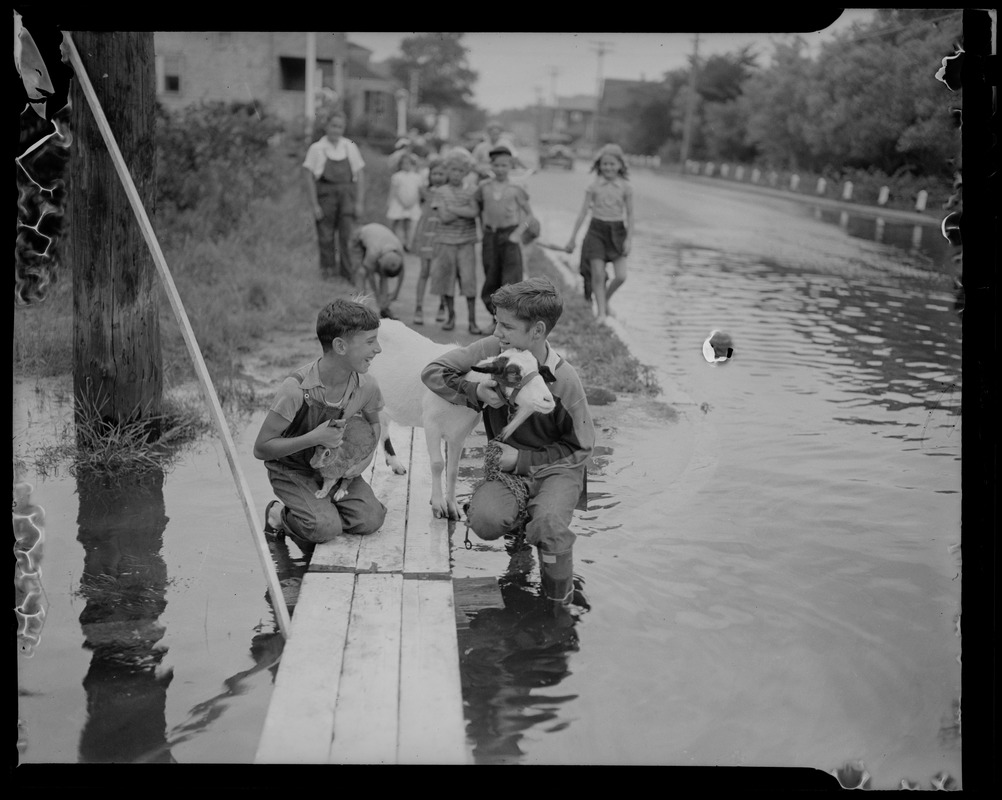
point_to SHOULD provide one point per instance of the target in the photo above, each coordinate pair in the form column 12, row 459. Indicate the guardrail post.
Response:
column 794, row 182
column 725, row 170
column 921, row 200
column 822, row 185
column 773, row 177
column 847, row 191
column 885, row 193
column 739, row 173
column 755, row 175
column 710, row 167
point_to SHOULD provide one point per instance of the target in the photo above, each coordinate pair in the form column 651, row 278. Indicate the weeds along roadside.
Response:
column 599, row 356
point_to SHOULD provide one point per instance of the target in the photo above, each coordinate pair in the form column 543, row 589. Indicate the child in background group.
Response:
column 404, row 204
column 505, row 214
column 610, row 201
column 455, row 242
column 377, row 255
column 424, row 236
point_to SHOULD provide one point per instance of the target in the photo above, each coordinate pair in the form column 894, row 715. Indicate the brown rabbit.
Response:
column 346, row 461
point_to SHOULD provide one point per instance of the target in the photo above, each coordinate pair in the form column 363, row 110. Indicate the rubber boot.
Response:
column 557, row 574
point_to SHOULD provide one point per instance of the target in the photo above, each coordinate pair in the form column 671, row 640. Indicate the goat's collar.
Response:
column 510, row 398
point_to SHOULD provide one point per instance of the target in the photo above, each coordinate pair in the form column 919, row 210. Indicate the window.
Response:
column 171, row 74
column 293, row 73
column 376, row 104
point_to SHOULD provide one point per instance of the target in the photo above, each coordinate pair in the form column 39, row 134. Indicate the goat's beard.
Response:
column 521, row 415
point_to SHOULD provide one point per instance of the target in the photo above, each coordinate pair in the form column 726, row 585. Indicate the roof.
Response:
column 578, row 102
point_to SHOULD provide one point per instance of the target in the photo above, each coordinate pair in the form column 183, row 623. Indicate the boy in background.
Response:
column 455, row 254
column 376, row 256
column 504, row 214
column 335, row 181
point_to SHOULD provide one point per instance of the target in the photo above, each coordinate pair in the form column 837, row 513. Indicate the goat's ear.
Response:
column 493, row 367
column 548, row 376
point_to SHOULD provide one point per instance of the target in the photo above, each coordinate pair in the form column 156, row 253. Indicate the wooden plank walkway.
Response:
column 370, row 674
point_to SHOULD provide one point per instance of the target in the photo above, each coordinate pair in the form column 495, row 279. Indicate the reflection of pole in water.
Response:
column 916, row 237
column 843, row 219
column 878, row 233
column 120, row 525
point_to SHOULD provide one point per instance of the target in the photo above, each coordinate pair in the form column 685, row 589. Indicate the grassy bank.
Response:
column 599, row 356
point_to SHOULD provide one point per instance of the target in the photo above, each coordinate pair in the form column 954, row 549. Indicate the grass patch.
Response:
column 92, row 446
column 599, row 356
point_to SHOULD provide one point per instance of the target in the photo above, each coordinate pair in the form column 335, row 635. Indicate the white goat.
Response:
column 412, row 404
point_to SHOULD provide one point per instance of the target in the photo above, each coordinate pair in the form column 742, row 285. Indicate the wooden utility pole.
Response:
column 690, row 110
column 117, row 363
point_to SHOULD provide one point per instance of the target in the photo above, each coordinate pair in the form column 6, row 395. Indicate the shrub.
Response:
column 214, row 155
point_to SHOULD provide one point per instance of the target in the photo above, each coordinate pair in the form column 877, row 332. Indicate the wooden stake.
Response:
column 257, row 530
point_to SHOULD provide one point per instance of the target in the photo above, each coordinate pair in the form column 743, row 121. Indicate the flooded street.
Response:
column 771, row 548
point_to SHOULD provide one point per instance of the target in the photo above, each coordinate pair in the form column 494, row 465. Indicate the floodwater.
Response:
column 771, row 551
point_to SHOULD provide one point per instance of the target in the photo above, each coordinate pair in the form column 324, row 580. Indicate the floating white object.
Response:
column 718, row 347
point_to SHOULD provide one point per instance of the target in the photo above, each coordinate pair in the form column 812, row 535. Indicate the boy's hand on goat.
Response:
column 329, row 434
column 488, row 395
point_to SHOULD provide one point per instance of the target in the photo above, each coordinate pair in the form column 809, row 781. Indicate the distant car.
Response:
column 557, row 155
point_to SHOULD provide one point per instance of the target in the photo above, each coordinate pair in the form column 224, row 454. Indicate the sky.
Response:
column 520, row 69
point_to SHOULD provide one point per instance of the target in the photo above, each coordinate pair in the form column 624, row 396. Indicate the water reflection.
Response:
column 921, row 238
column 513, row 643
column 124, row 583
column 27, row 521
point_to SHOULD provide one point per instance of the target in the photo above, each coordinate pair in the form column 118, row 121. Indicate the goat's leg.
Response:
column 433, row 438
column 392, row 461
column 453, row 455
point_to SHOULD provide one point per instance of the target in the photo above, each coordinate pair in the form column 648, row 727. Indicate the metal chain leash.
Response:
column 514, row 484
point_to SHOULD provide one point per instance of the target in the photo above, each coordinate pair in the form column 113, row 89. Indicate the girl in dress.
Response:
column 424, row 236
column 610, row 201
column 404, row 206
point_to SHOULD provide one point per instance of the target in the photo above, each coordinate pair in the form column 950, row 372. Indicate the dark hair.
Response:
column 531, row 300
column 342, row 318
column 498, row 151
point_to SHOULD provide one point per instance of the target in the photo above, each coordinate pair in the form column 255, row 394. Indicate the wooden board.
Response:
column 383, row 551
column 432, row 727
column 426, row 552
column 299, row 724
column 366, row 713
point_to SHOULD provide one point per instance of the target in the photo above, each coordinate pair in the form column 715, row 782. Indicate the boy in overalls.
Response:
column 336, row 189
column 332, row 387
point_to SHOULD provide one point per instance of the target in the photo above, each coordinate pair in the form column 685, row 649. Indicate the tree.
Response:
column 721, row 76
column 775, row 103
column 117, row 366
column 877, row 103
column 437, row 61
